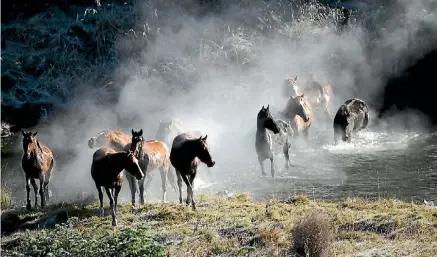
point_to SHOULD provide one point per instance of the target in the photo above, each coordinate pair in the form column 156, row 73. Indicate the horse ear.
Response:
column 132, row 131
column 34, row 134
column 206, row 136
column 23, row 132
column 141, row 132
column 295, row 78
column 268, row 106
column 303, row 94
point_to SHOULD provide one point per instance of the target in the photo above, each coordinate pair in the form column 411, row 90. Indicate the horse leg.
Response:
column 116, row 192
column 272, row 166
column 46, row 191
column 99, row 190
column 35, row 190
column 41, row 192
column 178, row 174
column 285, row 150
column 144, row 187
column 111, row 205
column 193, row 204
column 132, row 186
column 164, row 183
column 263, row 172
column 28, row 205
column 189, row 190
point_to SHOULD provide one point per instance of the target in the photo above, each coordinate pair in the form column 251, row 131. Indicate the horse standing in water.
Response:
column 264, row 139
column 186, row 154
column 319, row 95
column 152, row 154
column 37, row 163
column 352, row 116
column 299, row 112
column 106, row 171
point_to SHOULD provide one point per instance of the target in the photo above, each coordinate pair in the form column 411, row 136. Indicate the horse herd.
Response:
column 117, row 151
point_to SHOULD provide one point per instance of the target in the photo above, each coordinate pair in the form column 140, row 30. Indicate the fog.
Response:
column 214, row 71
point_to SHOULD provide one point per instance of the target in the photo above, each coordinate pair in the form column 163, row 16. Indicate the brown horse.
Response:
column 186, row 154
column 106, row 171
column 319, row 95
column 152, row 155
column 37, row 163
column 299, row 112
column 114, row 139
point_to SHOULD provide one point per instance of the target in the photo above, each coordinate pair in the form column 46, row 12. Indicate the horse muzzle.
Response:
column 210, row 164
column 91, row 143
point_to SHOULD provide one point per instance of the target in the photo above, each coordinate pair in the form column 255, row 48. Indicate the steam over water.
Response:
column 375, row 164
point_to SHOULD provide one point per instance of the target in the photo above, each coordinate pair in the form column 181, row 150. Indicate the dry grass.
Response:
column 236, row 226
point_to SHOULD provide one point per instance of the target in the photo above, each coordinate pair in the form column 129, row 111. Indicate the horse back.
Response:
column 118, row 139
column 101, row 165
column 157, row 152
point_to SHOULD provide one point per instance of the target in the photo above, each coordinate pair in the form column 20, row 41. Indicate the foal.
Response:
column 151, row 155
column 106, row 171
column 185, row 154
column 37, row 163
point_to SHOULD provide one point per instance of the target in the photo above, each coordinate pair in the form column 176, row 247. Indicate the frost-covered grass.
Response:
column 230, row 226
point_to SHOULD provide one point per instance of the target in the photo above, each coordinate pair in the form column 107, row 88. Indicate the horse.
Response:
column 37, row 163
column 169, row 128
column 152, row 154
column 114, row 139
column 264, row 139
column 106, row 171
column 352, row 116
column 299, row 112
column 186, row 154
column 120, row 141
column 319, row 95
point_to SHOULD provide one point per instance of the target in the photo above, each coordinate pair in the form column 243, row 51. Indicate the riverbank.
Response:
column 224, row 226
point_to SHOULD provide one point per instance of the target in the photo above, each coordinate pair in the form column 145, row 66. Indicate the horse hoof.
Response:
column 101, row 212
column 28, row 206
column 114, row 223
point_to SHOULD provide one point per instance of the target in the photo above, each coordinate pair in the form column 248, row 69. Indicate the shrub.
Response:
column 312, row 235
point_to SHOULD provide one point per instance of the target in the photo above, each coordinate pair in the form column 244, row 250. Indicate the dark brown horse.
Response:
column 152, row 155
column 106, row 171
column 120, row 141
column 186, row 154
column 37, row 163
column 300, row 114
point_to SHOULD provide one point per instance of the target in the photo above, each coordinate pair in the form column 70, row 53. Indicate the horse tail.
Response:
column 171, row 177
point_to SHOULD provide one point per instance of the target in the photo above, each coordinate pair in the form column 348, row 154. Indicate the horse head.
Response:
column 137, row 139
column 296, row 106
column 101, row 139
column 265, row 119
column 203, row 152
column 133, row 167
column 29, row 142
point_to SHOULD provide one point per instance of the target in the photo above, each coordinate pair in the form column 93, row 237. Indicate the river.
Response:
column 400, row 165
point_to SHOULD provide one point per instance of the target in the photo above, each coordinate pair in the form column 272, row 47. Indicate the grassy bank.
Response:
column 227, row 226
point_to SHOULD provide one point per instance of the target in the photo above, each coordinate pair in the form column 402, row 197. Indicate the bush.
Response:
column 312, row 235
column 6, row 199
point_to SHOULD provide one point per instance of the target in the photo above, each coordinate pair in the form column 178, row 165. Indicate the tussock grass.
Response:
column 229, row 226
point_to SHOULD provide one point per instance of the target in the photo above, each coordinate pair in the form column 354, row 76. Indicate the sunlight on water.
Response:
column 366, row 141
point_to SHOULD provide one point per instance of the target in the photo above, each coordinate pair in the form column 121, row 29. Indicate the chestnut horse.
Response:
column 120, row 141
column 37, row 163
column 319, row 95
column 151, row 154
column 299, row 112
column 186, row 154
column 106, row 171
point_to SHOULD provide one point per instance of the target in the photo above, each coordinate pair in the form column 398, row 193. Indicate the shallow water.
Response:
column 376, row 164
